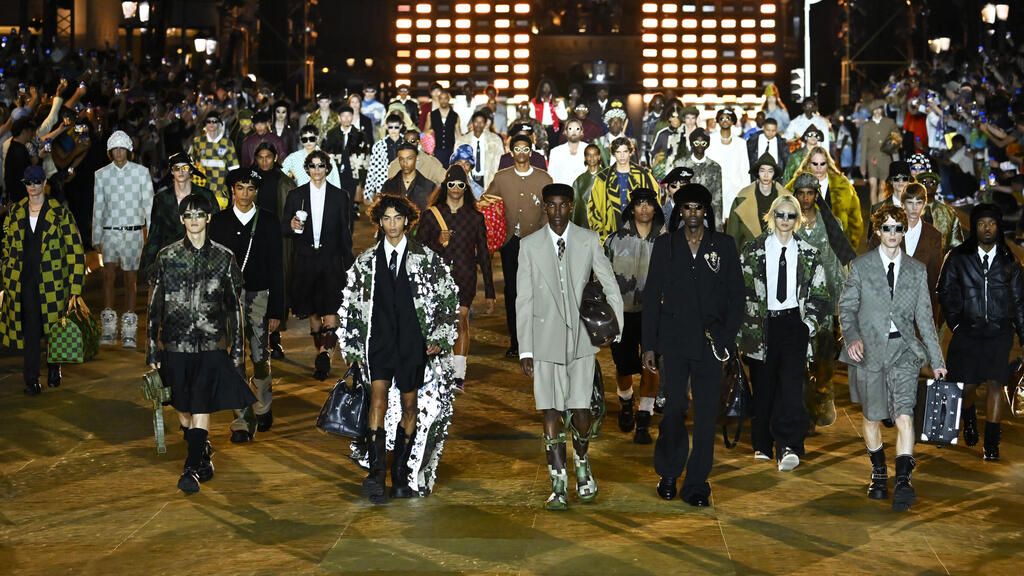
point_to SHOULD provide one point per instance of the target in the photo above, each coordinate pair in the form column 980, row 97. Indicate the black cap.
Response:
column 678, row 174
column 261, row 117
column 556, row 189
column 899, row 168
column 520, row 137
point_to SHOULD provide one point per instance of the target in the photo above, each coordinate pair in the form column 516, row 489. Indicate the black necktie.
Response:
column 984, row 263
column 478, row 167
column 393, row 264
column 891, row 277
column 780, row 286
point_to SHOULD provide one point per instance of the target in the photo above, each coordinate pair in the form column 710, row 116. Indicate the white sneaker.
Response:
column 108, row 327
column 789, row 461
column 129, row 329
column 758, row 455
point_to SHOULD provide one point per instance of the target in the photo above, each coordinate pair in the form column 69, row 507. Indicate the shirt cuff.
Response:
column 525, row 355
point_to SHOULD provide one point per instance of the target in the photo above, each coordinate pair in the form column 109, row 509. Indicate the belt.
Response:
column 128, row 228
column 895, row 335
column 786, row 312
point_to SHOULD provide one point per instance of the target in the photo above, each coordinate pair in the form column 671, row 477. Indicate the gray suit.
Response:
column 886, row 379
column 549, row 327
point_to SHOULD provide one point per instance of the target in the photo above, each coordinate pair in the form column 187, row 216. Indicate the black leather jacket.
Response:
column 981, row 304
column 195, row 305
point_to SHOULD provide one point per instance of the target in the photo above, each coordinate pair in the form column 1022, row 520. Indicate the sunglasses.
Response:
column 212, row 121
column 693, row 206
column 700, row 143
column 893, row 228
column 901, row 178
column 33, row 182
column 819, row 163
column 194, row 215
column 306, row 139
column 394, row 126
column 521, row 149
column 318, row 166
column 181, row 168
column 785, row 215
column 452, row 184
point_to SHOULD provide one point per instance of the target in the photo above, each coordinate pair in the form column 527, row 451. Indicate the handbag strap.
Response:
column 440, row 222
column 252, row 233
column 736, row 437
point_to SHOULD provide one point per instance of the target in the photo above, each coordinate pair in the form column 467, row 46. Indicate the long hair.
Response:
column 455, row 173
column 401, row 204
column 805, row 165
column 888, row 189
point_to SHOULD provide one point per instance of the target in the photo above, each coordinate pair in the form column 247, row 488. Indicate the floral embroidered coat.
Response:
column 812, row 294
column 435, row 296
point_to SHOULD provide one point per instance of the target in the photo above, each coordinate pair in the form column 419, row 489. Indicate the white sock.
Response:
column 626, row 394
column 460, row 367
column 646, row 405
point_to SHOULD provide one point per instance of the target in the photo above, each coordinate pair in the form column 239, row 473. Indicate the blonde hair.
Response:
column 769, row 218
column 805, row 165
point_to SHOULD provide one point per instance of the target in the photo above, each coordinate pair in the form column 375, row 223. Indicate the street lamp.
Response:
column 807, row 46
column 200, row 44
column 128, row 9
column 144, row 11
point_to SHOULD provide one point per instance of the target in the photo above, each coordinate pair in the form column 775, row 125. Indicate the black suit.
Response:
column 318, row 273
column 419, row 192
column 396, row 348
column 341, row 147
column 684, row 297
column 754, row 152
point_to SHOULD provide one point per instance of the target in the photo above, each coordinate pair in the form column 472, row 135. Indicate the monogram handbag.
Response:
column 737, row 401
column 345, row 412
column 154, row 391
column 65, row 344
column 597, row 314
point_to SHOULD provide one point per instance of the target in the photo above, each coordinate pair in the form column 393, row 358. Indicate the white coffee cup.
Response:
column 301, row 215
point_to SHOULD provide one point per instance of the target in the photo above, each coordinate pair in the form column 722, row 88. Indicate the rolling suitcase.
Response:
column 939, row 411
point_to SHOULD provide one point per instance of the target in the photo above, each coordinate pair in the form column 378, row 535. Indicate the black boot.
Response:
column 205, row 470
column 626, row 419
column 375, row 484
column 903, row 492
column 33, row 388
column 189, row 480
column 879, row 487
column 993, row 434
column 276, row 350
column 643, row 425
column 53, row 375
column 400, row 465
column 971, row 426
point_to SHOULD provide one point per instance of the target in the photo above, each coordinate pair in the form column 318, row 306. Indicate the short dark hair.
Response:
column 317, row 154
column 621, row 141
column 194, row 202
column 264, row 146
column 309, row 129
column 770, row 120
column 915, row 191
column 394, row 117
column 407, row 146
column 401, row 204
column 484, row 113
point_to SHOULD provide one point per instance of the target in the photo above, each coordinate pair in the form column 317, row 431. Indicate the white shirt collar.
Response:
column 991, row 254
column 388, row 248
column 313, row 188
column 244, row 217
column 555, row 237
column 886, row 260
column 523, row 174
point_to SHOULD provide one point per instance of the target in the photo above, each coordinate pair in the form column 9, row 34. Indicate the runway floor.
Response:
column 83, row 491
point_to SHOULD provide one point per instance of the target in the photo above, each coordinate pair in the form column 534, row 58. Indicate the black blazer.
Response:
column 335, row 233
column 753, row 155
column 263, row 270
column 684, row 296
column 419, row 192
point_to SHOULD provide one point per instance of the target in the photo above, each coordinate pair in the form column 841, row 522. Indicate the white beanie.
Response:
column 119, row 140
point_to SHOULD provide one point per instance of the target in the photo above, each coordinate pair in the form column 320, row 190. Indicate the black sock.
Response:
column 196, row 443
column 993, row 431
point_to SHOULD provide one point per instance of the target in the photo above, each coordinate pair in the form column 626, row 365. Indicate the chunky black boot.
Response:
column 205, row 470
column 971, row 426
column 643, row 425
column 375, row 484
column 189, row 480
column 626, row 419
column 276, row 350
column 993, row 434
column 879, row 487
column 903, row 491
column 400, row 465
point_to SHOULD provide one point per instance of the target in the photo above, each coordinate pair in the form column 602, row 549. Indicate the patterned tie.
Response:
column 393, row 264
column 891, row 277
column 561, row 248
column 780, row 286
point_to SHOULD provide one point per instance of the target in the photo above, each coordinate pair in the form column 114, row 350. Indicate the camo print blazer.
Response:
column 195, row 303
column 812, row 294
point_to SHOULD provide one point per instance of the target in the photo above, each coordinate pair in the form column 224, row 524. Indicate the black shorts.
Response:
column 387, row 366
column 973, row 360
column 626, row 352
column 317, row 283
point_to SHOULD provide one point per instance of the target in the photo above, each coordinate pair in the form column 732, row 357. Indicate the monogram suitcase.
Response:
column 939, row 412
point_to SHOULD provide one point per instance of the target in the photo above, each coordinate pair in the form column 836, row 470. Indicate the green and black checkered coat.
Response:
column 62, row 267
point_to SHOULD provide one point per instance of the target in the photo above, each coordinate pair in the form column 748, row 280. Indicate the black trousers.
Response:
column 780, row 418
column 672, row 450
column 31, row 327
column 510, row 267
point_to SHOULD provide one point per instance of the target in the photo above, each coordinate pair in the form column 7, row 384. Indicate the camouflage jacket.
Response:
column 812, row 294
column 195, row 302
column 630, row 255
column 709, row 175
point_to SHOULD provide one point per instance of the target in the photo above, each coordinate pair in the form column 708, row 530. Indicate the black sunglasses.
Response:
column 317, row 166
column 33, row 182
column 305, row 139
column 894, row 228
column 693, row 206
column 901, row 178
column 785, row 215
column 394, row 126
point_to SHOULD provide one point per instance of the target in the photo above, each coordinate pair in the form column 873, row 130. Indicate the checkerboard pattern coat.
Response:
column 124, row 197
column 62, row 268
column 812, row 295
column 216, row 158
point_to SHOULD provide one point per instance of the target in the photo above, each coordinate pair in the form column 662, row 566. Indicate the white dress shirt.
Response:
column 823, row 184
column 912, row 237
column 400, row 249
column 769, row 146
column 317, row 197
column 564, row 166
column 895, row 275
column 772, row 250
column 991, row 255
column 479, row 164
column 244, row 217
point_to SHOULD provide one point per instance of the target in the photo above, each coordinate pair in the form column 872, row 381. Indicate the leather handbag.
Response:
column 65, row 344
column 938, row 415
column 346, row 410
column 597, row 314
column 737, row 401
column 1014, row 391
column 154, row 391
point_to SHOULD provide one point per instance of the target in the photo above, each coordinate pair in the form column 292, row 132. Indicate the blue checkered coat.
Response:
column 62, row 267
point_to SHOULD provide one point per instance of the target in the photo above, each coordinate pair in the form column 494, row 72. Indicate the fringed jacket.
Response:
column 812, row 294
column 435, row 297
column 195, row 304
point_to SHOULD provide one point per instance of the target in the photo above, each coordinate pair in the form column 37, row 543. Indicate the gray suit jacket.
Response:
column 540, row 317
column 865, row 310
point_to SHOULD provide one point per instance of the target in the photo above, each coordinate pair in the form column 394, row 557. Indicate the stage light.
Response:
column 443, row 23
column 423, row 8
column 442, row 53
column 482, row 39
column 650, row 22
column 689, row 38
column 423, row 23
column 481, row 53
column 403, row 38
column 689, row 82
column 522, row 53
column 520, row 83
column 768, row 9
column 443, row 69
column 501, row 84
column 462, row 38
column 463, row 8
column 422, row 38
column 521, row 69
column 689, row 53
column 670, row 68
column 728, row 23
column 462, row 68
column 649, row 8
column 502, row 38
column 670, row 83
column 403, row 23
column 522, row 8
column 462, row 23
column 689, row 23
column 502, row 23
column 650, row 68
column 709, row 23
column 521, row 38
column 482, row 8
column 422, row 54
column 669, row 8
column 689, row 68
column 669, row 23
column 709, row 83
column 443, row 38
column 669, row 38
column 502, row 53
column 709, row 69
column 748, row 23
column 729, row 83
column 651, row 82
column 728, row 38
column 403, row 68
column 462, row 54
column 650, row 53
column 748, row 38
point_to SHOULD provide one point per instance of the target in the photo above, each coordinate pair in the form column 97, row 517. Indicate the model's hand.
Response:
column 445, row 237
column 856, row 350
column 940, row 373
column 490, row 306
column 650, row 363
column 273, row 324
column 155, row 366
column 98, row 248
column 296, row 224
column 527, row 366
column 433, row 349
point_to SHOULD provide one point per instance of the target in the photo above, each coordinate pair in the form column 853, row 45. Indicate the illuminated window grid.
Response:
column 447, row 40
column 710, row 51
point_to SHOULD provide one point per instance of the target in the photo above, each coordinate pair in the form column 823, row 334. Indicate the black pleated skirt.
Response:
column 204, row 382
